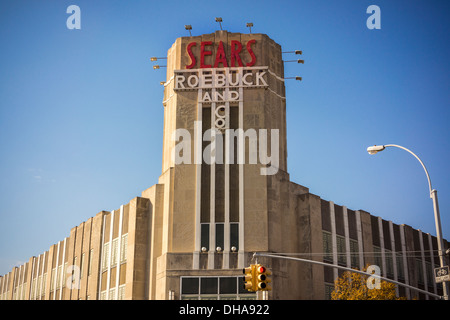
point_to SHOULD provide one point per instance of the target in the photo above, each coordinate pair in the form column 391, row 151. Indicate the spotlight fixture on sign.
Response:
column 295, row 51
column 158, row 66
column 219, row 20
column 189, row 28
column 156, row 58
column 295, row 78
column 298, row 61
column 250, row 25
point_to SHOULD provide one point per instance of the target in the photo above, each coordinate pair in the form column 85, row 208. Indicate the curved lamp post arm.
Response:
column 424, row 168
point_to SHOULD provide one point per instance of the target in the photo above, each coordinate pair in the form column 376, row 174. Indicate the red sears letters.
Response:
column 221, row 57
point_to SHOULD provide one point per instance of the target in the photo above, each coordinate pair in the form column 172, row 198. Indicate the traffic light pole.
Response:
column 256, row 254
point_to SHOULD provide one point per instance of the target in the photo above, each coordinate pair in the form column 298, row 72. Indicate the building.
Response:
column 223, row 194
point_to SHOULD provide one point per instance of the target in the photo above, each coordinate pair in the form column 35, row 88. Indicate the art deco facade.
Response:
column 189, row 235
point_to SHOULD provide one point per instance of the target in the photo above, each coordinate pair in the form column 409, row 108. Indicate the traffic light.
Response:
column 249, row 278
column 256, row 278
column 262, row 278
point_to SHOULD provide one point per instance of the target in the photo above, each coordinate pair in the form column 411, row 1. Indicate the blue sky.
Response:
column 81, row 113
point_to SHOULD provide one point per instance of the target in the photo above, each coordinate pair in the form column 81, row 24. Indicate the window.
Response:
column 59, row 275
column 105, row 257
column 419, row 268
column 82, row 265
column 327, row 247
column 204, row 241
column 377, row 257
column 209, row 285
column 91, row 255
column 340, row 241
column 234, row 235
column 227, row 285
column 33, row 286
column 429, row 272
column 389, row 264
column 190, row 286
column 214, row 288
column 123, row 248
column 329, row 288
column 39, row 283
column 53, row 276
column 114, row 252
column 121, row 292
column 400, row 266
column 65, row 274
column 112, row 294
column 219, row 235
column 354, row 254
column 44, row 281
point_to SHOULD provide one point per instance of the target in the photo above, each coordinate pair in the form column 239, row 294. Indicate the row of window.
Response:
column 389, row 259
column 19, row 293
column 341, row 250
column 428, row 272
column 355, row 255
column 38, row 284
column 214, row 288
column 220, row 233
column 115, row 252
column 112, row 293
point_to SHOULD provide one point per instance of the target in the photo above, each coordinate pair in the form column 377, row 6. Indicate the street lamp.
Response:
column 433, row 195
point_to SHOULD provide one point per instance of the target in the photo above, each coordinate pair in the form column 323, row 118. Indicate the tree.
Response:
column 356, row 286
